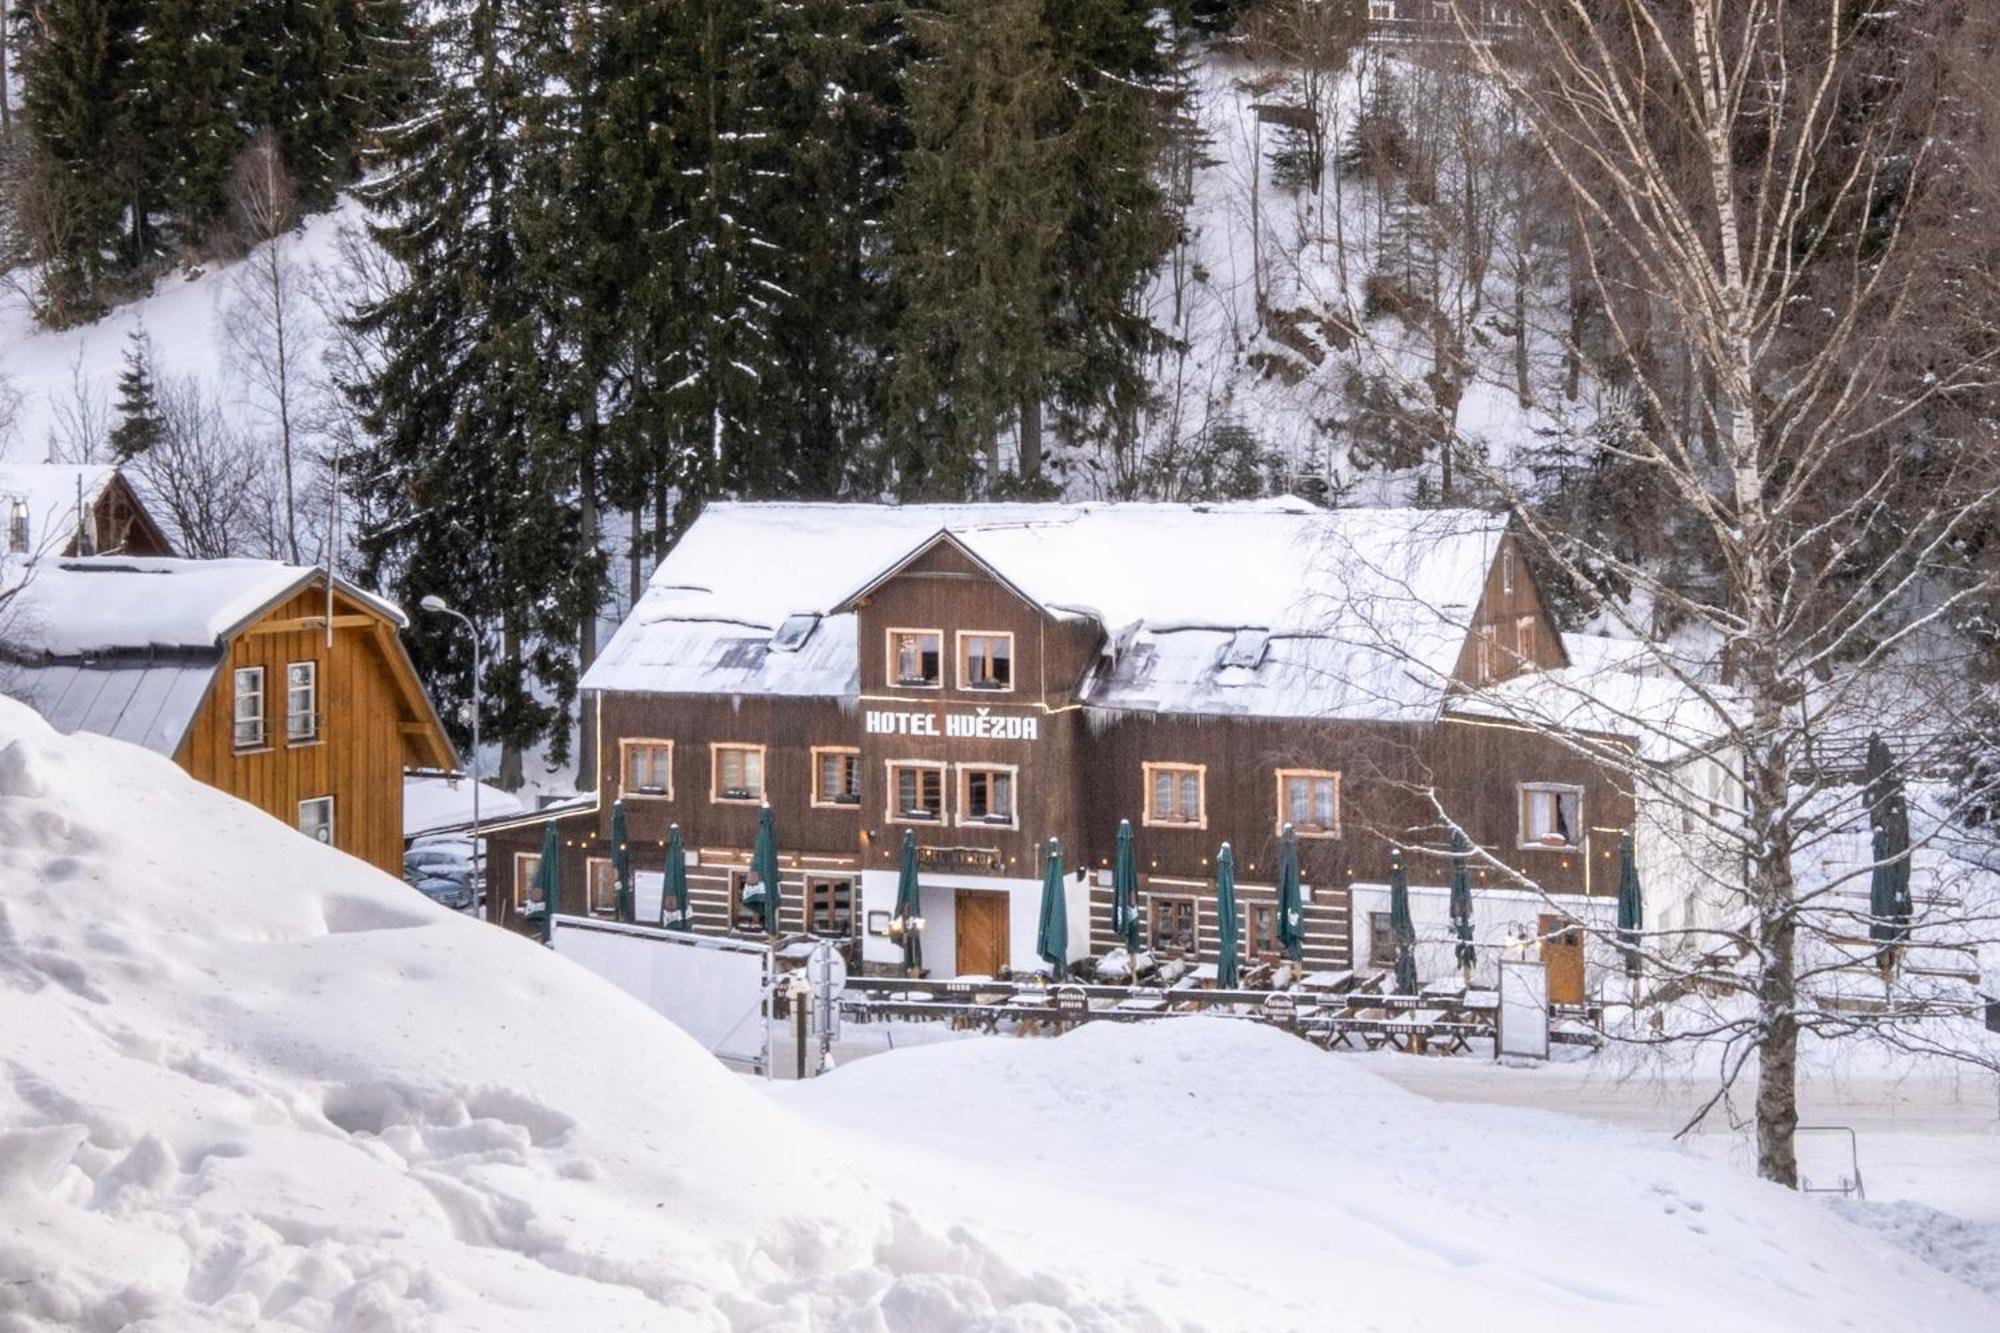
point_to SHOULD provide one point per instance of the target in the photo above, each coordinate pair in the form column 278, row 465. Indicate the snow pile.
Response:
column 1969, row 1251
column 247, row 1081
column 1274, row 1187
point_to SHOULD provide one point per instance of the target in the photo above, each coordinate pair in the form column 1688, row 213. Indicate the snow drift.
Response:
column 246, row 1081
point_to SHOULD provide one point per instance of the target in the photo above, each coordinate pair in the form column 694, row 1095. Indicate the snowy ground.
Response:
column 248, row 1082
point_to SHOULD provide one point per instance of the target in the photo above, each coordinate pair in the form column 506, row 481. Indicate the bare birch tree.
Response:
column 267, row 322
column 1765, row 186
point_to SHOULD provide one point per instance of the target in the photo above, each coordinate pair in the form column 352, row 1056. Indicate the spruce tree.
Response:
column 192, row 70
column 139, row 421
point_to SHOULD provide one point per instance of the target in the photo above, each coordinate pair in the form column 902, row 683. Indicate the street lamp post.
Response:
column 437, row 605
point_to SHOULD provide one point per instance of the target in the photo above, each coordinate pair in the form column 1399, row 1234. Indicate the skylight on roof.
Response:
column 792, row 635
column 1246, row 648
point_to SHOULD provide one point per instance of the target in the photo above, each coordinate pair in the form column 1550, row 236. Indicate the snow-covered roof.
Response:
column 108, row 604
column 1363, row 611
column 1629, row 694
column 51, row 492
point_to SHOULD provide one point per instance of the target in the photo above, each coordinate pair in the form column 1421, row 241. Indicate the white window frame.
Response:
column 1558, row 790
column 966, row 819
column 609, row 907
column 965, row 682
column 525, row 878
column 819, row 754
column 328, row 802
column 311, row 735
column 890, row 671
column 893, row 802
column 626, row 746
column 1289, row 775
column 715, row 787
column 1150, row 768
column 236, row 718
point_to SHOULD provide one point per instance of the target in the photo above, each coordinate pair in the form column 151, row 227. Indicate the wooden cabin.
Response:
column 247, row 673
column 994, row 677
column 72, row 509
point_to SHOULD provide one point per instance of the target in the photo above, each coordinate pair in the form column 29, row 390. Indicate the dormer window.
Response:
column 1247, row 648
column 916, row 658
column 985, row 660
column 792, row 635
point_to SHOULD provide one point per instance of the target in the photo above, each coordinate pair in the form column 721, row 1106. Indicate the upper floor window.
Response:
column 985, row 661
column 1174, row 794
column 915, row 658
column 1309, row 800
column 302, row 701
column 918, row 792
column 646, row 769
column 986, row 796
column 1551, row 815
column 738, row 773
column 836, row 777
column 1507, row 572
column 249, row 712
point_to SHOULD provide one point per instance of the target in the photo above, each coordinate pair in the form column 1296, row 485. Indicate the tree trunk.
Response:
column 586, row 626
column 1523, row 391
column 635, row 554
column 1031, row 437
column 510, row 777
column 6, row 91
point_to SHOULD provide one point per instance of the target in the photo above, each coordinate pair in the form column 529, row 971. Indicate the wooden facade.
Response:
column 371, row 722
column 121, row 526
column 1072, row 773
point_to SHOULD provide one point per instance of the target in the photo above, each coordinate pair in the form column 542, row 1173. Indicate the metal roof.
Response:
column 148, row 700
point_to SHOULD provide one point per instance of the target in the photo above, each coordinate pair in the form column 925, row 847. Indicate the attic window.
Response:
column 1246, row 648
column 792, row 635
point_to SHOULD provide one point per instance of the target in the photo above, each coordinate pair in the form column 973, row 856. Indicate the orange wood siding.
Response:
column 359, row 757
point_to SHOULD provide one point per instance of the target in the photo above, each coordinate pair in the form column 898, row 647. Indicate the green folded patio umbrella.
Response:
column 1889, row 905
column 764, row 860
column 1125, row 890
column 674, row 894
column 621, row 860
column 1631, row 905
column 1291, row 899
column 1400, row 924
column 549, row 875
column 1226, row 976
column 1052, row 934
column 909, row 910
column 1461, row 902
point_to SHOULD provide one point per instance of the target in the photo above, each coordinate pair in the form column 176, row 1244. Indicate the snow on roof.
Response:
column 51, row 491
column 1369, row 585
column 1639, row 699
column 109, row 604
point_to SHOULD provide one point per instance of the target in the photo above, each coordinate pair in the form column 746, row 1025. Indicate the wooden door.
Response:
column 982, row 933
column 1562, row 952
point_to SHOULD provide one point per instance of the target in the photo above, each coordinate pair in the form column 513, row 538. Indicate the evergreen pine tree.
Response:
column 298, row 75
column 139, row 422
column 192, row 71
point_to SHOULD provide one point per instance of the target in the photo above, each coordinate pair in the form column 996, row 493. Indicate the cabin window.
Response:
column 302, row 702
column 647, row 769
column 1507, row 573
column 1174, row 795
column 986, row 796
column 1524, row 641
column 1382, row 11
column 836, row 777
column 1381, row 940
column 1551, row 815
column 830, row 907
column 1171, row 926
column 1483, row 645
column 249, row 715
column 601, row 883
column 1309, row 800
column 1262, row 936
column 985, row 661
column 918, row 791
column 738, row 774
column 316, row 819
column 915, row 658
column 17, row 528
column 527, row 882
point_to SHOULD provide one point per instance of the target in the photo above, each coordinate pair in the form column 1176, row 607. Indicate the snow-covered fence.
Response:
column 718, row 991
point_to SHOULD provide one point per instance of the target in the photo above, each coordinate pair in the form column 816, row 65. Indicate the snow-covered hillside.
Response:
column 250, row 1082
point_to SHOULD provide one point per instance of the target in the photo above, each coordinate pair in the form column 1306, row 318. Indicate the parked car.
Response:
column 442, row 869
